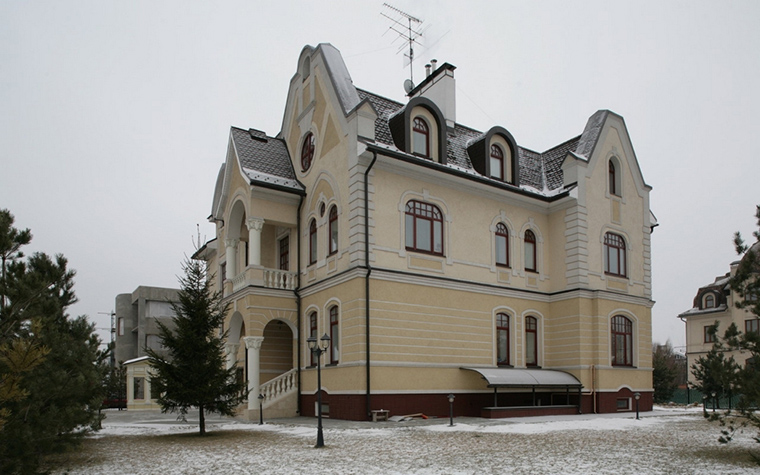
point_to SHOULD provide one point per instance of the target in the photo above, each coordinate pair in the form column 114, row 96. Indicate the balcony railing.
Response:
column 259, row 276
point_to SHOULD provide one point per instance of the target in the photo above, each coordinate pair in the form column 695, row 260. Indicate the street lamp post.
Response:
column 637, row 396
column 317, row 350
column 451, row 410
column 713, row 398
column 261, row 409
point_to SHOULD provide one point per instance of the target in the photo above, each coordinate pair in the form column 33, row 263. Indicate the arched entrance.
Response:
column 276, row 350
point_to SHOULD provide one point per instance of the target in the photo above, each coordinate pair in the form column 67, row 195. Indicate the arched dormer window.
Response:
column 709, row 301
column 497, row 162
column 502, row 245
column 613, row 177
column 420, row 137
column 307, row 152
column 530, row 251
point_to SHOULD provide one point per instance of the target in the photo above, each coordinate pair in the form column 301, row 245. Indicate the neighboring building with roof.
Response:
column 438, row 259
column 137, row 317
column 716, row 302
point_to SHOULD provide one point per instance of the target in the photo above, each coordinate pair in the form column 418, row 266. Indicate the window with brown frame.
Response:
column 502, row 339
column 334, row 335
column 284, row 246
column 312, row 334
column 530, row 251
column 709, row 336
column 420, row 137
column 614, row 255
column 313, row 241
column 622, row 341
column 424, row 228
column 752, row 326
column 333, row 231
column 709, row 301
column 502, row 245
column 497, row 162
column 531, row 341
column 307, row 152
column 613, row 179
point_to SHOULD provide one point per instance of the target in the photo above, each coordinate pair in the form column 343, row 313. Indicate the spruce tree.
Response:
column 664, row 372
column 190, row 372
column 52, row 362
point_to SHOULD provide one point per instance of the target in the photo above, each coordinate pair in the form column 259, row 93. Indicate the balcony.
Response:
column 258, row 276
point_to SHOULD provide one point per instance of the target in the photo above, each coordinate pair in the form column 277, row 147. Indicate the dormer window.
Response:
column 709, row 301
column 307, row 152
column 497, row 162
column 421, row 138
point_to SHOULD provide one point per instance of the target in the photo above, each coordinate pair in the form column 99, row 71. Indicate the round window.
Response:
column 307, row 152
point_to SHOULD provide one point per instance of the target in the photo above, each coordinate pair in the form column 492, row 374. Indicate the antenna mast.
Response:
column 405, row 31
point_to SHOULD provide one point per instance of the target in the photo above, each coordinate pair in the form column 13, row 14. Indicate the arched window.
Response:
column 614, row 255
column 306, row 68
column 502, row 338
column 313, row 334
column 424, row 227
column 334, row 336
column 530, row 251
column 709, row 301
column 420, row 137
column 313, row 241
column 531, row 341
column 502, row 245
column 497, row 162
column 622, row 341
column 613, row 179
column 333, row 230
column 307, row 151
column 284, row 253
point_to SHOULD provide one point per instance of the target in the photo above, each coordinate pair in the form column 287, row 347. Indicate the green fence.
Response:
column 690, row 396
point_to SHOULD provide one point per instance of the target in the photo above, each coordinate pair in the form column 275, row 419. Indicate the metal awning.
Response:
column 527, row 378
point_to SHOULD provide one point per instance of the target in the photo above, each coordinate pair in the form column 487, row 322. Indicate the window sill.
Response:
column 331, row 364
column 427, row 253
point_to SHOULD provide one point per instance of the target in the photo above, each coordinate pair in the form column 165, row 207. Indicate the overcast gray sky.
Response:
column 114, row 116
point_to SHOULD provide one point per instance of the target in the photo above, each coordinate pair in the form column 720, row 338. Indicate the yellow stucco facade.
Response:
column 328, row 241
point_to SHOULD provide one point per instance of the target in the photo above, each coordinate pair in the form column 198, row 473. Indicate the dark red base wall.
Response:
column 354, row 407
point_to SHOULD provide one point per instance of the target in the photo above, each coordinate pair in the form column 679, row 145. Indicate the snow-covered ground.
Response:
column 666, row 441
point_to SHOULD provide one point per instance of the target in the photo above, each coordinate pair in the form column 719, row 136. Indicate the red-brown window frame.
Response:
column 502, row 326
column 709, row 336
column 620, row 325
column 711, row 302
column 502, row 232
column 497, row 154
column 313, row 241
column 614, row 246
column 530, row 238
column 312, row 334
column 334, row 335
column 307, row 152
column 613, row 178
column 420, row 126
column 752, row 325
column 332, row 244
column 284, row 248
column 531, row 331
column 426, row 212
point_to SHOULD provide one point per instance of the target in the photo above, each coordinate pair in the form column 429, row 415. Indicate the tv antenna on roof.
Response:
column 408, row 28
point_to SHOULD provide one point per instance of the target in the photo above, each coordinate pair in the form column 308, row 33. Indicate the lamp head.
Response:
column 451, row 397
column 312, row 341
column 637, row 396
column 324, row 342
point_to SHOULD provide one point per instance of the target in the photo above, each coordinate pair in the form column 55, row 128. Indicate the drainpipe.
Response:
column 298, row 303
column 369, row 271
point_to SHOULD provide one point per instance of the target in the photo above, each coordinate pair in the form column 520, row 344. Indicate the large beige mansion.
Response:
column 438, row 259
column 716, row 302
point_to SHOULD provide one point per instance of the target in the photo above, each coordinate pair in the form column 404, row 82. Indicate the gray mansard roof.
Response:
column 264, row 159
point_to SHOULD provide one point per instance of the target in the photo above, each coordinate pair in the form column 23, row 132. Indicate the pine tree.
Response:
column 191, row 372
column 52, row 359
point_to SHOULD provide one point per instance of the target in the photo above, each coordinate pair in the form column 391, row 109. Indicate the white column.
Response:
column 232, row 350
column 231, row 254
column 255, row 225
column 253, row 345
